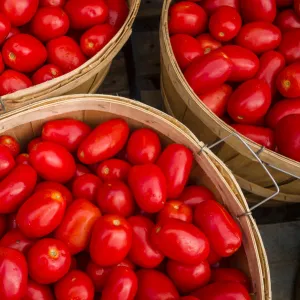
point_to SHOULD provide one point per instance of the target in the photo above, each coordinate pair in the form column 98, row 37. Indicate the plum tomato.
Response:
column 3, row 225
column 104, row 142
column 13, row 31
column 210, row 6
column 143, row 147
column 195, row 194
column 4, row 27
column 37, row 291
column 290, row 46
column 33, row 142
column 81, row 170
column 98, row 275
column 213, row 258
column 7, row 162
column 96, row 38
column 225, row 23
column 113, row 169
column 287, row 20
column 11, row 144
column 149, row 187
column 249, row 102
column 52, row 3
column 22, row 159
column 257, row 10
column 188, row 18
column 207, row 43
column 117, row 12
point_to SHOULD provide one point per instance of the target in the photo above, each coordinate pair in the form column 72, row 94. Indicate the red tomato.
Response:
column 225, row 23
column 284, row 3
column 258, row 10
column 111, row 240
column 188, row 277
column 98, row 275
column 23, row 159
column 149, row 187
column 11, row 144
column 3, row 225
column 208, row 43
column 7, row 162
column 261, row 135
column 113, row 169
column 297, row 7
column 120, row 285
column 65, row 53
column 142, row 252
column 13, row 31
column 13, row 274
column 52, row 162
column 2, row 66
column 81, row 170
column 12, row 81
column 222, row 231
column 288, row 81
column 290, row 46
column 117, row 12
column 4, row 27
column 287, row 20
column 21, row 180
column 216, row 99
column 54, row 3
column 155, row 285
column 250, row 101
column 259, row 37
column 33, row 142
column 193, row 195
column 189, row 298
column 11, row 221
column 84, row 14
column 24, row 53
column 180, row 241
column 19, row 13
column 210, row 6
column 187, row 17
column 213, row 258
column 76, row 227
column 36, row 291
column 96, row 38
column 104, row 142
column 208, row 72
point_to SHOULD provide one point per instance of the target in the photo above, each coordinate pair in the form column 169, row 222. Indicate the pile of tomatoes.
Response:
column 44, row 39
column 110, row 214
column 242, row 59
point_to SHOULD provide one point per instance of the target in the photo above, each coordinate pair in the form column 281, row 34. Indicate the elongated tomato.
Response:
column 7, row 161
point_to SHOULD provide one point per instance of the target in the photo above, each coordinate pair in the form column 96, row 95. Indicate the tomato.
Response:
column 81, row 170
column 284, row 3
column 149, row 187
column 180, row 241
column 23, row 159
column 142, row 252
column 84, row 14
column 213, row 258
column 33, row 142
column 2, row 66
column 13, row 274
column 155, row 285
column 113, row 169
column 52, row 162
column 187, row 17
column 259, row 37
column 225, row 23
column 98, row 275
column 208, row 43
column 189, row 298
column 216, row 99
column 11, row 221
column 3, row 225
column 21, row 180
column 13, row 31
column 120, row 285
column 193, row 195
column 211, row 6
column 258, row 10
column 65, row 53
column 24, row 53
column 288, row 81
column 15, row 239
column 7, row 162
column 12, row 81
column 117, row 12
column 36, row 291
column 208, row 72
column 222, row 231
column 188, row 277
column 250, row 101
column 287, row 20
column 290, row 46
column 11, row 144
column 52, row 3
column 104, row 142
column 297, row 7
column 19, row 12
column 4, row 27
column 96, row 38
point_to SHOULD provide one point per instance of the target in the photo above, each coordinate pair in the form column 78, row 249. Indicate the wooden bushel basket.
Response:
column 181, row 102
column 26, row 123
column 85, row 79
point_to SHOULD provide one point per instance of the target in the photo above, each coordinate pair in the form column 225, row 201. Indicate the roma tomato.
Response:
column 4, row 27
column 250, row 101
column 52, row 3
column 195, row 194
column 52, row 162
column 257, row 10
column 260, row 135
column 143, row 147
column 13, row 31
column 113, row 169
column 24, row 53
column 7, row 162
column 188, row 18
column 290, row 46
column 11, row 144
column 149, row 187
column 208, row 72
column 13, row 274
column 180, row 241
column 208, row 43
column 188, row 277
column 176, row 164
column 36, row 291
column 22, row 159
column 111, row 240
column 33, row 142
column 21, row 180
column 104, row 142
column 65, row 53
column 216, row 99
column 213, row 258
column 142, row 252
column 81, row 170
column 211, row 6
column 98, row 275
column 259, row 37
column 287, row 20
column 117, row 12
column 222, row 231
column 84, row 14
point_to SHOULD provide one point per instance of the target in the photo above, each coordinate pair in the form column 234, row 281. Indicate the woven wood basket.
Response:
column 26, row 123
column 181, row 102
column 85, row 79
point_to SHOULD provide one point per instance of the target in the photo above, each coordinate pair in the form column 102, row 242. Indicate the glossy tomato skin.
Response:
column 4, row 27
column 13, row 31
column 172, row 238
column 23, row 159
column 290, row 46
column 21, row 180
column 208, row 72
column 287, row 20
column 33, row 142
column 113, row 169
column 259, row 37
column 193, row 195
column 13, row 274
column 52, row 3
column 81, row 170
column 210, row 6
column 117, row 12
column 257, row 10
column 207, row 43
column 149, row 187
column 104, row 142
column 250, row 101
column 11, row 144
column 222, row 231
column 7, row 162
column 36, row 291
column 213, row 258
column 98, row 275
